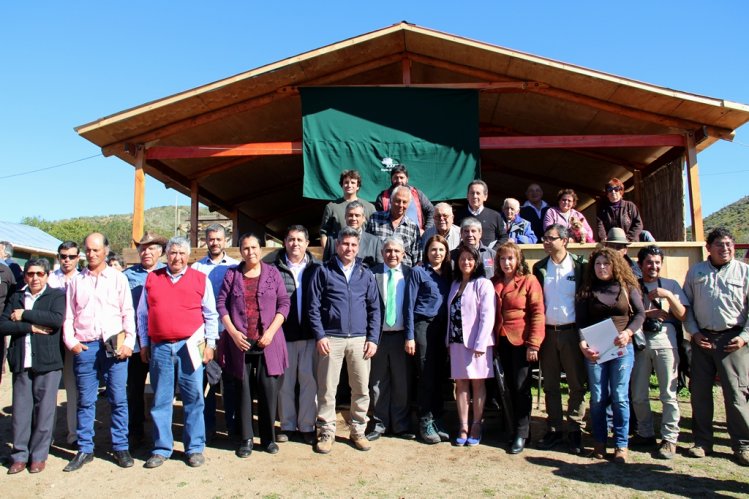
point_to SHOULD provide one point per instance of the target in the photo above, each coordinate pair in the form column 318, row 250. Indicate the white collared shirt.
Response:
column 297, row 269
column 559, row 292
column 346, row 270
column 476, row 212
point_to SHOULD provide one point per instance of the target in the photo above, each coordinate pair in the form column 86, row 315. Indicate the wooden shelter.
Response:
column 235, row 144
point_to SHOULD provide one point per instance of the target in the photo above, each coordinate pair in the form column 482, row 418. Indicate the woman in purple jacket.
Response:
column 253, row 305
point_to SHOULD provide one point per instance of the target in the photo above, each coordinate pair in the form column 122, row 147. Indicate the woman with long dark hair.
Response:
column 610, row 291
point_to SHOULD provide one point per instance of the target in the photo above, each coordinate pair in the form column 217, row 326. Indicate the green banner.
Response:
column 433, row 132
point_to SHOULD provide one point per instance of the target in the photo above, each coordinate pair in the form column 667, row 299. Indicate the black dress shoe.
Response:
column 406, row 435
column 309, row 437
column 373, row 435
column 124, row 460
column 245, row 449
column 78, row 461
column 518, row 444
column 154, row 461
column 576, row 442
column 551, row 439
column 272, row 448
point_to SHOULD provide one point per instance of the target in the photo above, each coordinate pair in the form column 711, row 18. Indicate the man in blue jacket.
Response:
column 344, row 312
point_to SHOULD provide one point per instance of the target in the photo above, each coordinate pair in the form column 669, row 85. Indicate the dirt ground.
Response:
column 392, row 468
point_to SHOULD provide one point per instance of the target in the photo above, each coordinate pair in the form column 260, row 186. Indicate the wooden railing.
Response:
column 679, row 255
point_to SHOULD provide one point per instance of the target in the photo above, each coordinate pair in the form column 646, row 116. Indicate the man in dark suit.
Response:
column 389, row 378
column 33, row 319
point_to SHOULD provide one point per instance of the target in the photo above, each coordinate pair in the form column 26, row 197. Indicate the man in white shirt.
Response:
column 561, row 275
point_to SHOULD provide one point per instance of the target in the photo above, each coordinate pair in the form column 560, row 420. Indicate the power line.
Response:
column 49, row 167
column 723, row 173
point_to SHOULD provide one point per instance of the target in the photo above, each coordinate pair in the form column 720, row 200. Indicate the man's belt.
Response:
column 393, row 331
column 561, row 327
column 729, row 330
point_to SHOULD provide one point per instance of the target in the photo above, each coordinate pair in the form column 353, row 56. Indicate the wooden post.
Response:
column 235, row 227
column 638, row 188
column 406, row 65
column 693, row 180
column 194, row 204
column 139, row 193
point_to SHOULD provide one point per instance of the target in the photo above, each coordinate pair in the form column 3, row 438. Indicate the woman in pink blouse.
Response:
column 566, row 214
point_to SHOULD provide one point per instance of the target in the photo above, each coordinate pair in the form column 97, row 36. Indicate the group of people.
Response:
column 402, row 292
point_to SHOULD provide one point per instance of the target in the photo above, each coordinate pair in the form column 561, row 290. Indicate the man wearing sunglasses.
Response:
column 616, row 212
column 68, row 256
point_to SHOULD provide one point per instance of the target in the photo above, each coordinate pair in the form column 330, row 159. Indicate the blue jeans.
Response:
column 166, row 360
column 610, row 382
column 88, row 366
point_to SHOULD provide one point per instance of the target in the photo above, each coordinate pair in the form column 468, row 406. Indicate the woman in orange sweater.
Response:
column 520, row 330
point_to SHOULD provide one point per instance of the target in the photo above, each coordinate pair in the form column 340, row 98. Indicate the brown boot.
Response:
column 620, row 456
column 599, row 451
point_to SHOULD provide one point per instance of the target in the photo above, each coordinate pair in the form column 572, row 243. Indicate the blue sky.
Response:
column 69, row 63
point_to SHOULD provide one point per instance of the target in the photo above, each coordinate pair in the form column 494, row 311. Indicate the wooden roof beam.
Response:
column 224, row 150
column 566, row 95
column 597, row 155
column 577, row 141
column 487, row 143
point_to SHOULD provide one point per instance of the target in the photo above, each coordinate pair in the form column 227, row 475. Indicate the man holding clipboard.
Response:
column 176, row 314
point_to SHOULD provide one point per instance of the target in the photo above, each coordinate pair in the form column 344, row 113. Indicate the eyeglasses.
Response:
column 550, row 239
column 38, row 273
column 67, row 257
column 613, row 189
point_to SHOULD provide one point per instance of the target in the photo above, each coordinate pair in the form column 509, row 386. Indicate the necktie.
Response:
column 390, row 303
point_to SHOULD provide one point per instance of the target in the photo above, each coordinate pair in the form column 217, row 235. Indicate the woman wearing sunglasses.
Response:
column 616, row 212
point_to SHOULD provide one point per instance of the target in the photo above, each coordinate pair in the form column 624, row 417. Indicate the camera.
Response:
column 652, row 325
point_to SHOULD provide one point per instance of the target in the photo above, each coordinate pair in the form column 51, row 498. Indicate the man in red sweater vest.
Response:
column 177, row 311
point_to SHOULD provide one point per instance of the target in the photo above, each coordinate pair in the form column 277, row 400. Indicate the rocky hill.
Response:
column 735, row 217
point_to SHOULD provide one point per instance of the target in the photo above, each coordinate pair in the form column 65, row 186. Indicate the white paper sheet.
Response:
column 195, row 346
column 600, row 337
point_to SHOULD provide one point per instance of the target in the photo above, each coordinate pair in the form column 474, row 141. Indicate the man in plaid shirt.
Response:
column 384, row 224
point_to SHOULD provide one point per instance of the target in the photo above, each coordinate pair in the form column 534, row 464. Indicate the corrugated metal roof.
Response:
column 28, row 238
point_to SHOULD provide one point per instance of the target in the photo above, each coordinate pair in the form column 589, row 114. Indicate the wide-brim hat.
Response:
column 617, row 235
column 151, row 238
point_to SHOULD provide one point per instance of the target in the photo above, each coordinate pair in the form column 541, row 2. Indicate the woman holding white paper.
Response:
column 610, row 291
